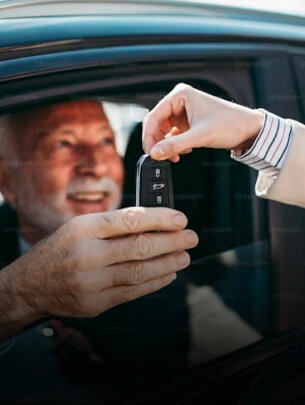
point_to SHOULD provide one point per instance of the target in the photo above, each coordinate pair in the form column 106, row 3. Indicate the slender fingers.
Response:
column 174, row 145
column 153, row 123
column 174, row 132
column 167, row 110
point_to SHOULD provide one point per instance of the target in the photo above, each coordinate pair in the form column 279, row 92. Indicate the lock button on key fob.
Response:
column 154, row 183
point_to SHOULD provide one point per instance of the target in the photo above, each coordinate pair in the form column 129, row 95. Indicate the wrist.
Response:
column 16, row 312
column 254, row 124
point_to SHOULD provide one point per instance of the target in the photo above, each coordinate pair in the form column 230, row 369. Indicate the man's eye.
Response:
column 63, row 144
column 107, row 141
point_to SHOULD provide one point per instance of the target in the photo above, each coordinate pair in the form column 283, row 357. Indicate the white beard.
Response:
column 49, row 212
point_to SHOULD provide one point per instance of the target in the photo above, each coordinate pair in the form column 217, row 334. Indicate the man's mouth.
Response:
column 96, row 196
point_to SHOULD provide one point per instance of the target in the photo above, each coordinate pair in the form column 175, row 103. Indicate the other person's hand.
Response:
column 188, row 118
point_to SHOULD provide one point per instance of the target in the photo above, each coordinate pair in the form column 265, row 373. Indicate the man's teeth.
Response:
column 89, row 196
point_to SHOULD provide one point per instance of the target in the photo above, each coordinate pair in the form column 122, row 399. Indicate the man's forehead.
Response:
column 81, row 111
column 32, row 125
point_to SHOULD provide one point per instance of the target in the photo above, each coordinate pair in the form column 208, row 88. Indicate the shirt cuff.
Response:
column 269, row 151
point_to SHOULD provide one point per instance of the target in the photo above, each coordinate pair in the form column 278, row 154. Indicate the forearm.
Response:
column 288, row 187
column 15, row 312
column 277, row 153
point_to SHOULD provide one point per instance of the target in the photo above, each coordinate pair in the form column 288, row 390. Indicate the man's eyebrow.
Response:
column 46, row 130
column 71, row 130
column 64, row 131
column 105, row 126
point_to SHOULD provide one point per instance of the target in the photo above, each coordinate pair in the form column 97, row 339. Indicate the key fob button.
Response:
column 157, row 173
column 158, row 199
column 157, row 187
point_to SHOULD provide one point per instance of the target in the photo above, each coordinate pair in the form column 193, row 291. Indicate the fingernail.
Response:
column 173, row 276
column 192, row 238
column 183, row 259
column 157, row 151
column 179, row 220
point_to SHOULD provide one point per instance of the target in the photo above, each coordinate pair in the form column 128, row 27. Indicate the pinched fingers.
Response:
column 156, row 121
column 174, row 132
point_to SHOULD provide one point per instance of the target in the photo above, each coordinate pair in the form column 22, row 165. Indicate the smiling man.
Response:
column 67, row 166
column 58, row 162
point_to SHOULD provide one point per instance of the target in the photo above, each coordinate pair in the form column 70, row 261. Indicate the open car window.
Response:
column 215, row 308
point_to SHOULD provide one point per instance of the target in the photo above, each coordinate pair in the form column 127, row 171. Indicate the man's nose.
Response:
column 92, row 163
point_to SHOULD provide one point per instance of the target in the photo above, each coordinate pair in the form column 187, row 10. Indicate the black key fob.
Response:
column 154, row 187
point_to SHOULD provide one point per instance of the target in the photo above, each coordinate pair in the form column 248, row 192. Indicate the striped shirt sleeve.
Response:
column 269, row 151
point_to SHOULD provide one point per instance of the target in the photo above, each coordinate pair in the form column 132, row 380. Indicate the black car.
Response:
column 231, row 327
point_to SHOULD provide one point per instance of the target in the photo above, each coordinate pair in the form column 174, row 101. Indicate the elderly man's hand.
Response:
column 187, row 118
column 97, row 261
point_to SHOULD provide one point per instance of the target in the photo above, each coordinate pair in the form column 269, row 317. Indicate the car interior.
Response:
column 232, row 258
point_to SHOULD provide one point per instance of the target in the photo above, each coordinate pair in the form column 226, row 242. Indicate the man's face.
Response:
column 69, row 165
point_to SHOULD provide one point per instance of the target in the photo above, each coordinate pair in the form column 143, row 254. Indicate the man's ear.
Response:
column 5, row 182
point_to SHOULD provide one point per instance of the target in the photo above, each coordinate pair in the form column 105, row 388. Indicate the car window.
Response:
column 216, row 307
column 123, row 117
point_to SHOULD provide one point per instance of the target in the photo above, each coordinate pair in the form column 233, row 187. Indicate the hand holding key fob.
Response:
column 154, row 187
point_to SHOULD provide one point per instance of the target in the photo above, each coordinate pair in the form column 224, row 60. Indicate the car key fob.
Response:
column 154, row 187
